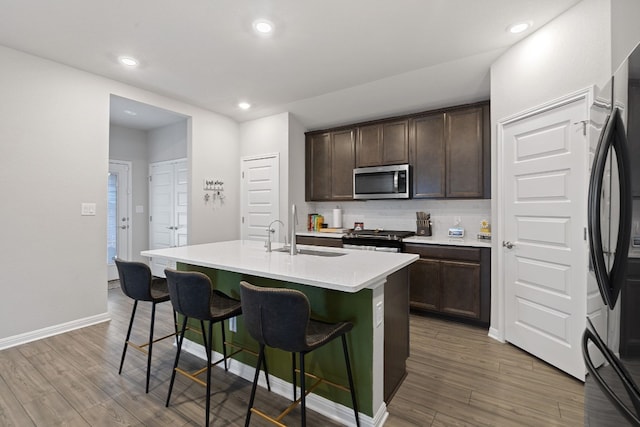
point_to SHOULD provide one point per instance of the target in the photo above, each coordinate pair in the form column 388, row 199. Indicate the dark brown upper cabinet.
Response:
column 427, row 156
column 382, row 144
column 450, row 153
column 448, row 150
column 330, row 159
column 465, row 154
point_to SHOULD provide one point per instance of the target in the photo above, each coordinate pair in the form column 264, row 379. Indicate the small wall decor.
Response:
column 216, row 187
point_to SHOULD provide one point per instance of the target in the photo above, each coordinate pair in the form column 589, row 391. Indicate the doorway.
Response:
column 141, row 134
column 260, row 194
column 118, row 215
column 544, row 251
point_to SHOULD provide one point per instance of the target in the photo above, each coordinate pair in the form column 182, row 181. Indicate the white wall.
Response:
column 131, row 145
column 168, row 142
column 54, row 154
column 570, row 53
column 625, row 31
column 297, row 170
column 265, row 136
column 579, row 49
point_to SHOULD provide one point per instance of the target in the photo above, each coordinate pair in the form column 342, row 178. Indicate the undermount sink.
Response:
column 312, row 252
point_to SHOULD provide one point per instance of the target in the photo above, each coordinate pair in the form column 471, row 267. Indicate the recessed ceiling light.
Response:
column 131, row 113
column 263, row 26
column 128, row 61
column 244, row 105
column 518, row 27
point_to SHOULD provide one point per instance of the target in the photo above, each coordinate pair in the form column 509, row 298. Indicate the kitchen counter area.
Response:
column 423, row 240
column 449, row 241
column 369, row 289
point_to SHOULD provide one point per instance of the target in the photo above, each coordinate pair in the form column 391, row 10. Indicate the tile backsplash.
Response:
column 401, row 214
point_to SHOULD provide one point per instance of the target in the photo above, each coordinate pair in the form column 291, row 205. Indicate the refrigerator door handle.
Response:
column 610, row 282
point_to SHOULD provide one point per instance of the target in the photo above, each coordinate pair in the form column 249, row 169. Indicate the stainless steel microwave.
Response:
column 382, row 182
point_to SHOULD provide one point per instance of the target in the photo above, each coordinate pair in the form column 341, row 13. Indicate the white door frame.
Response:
column 498, row 315
column 129, row 211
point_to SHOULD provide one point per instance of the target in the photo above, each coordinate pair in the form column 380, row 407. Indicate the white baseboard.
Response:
column 496, row 335
column 335, row 411
column 52, row 330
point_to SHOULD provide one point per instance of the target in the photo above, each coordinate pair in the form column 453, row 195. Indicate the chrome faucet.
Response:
column 292, row 224
column 270, row 230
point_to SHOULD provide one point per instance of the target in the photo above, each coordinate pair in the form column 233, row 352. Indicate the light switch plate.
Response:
column 88, row 209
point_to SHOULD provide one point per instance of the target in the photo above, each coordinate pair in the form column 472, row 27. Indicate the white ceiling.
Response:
column 329, row 62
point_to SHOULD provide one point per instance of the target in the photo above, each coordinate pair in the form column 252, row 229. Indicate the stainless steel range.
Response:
column 375, row 240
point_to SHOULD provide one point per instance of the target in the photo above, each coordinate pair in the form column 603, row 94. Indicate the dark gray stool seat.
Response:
column 281, row 318
column 138, row 284
column 193, row 296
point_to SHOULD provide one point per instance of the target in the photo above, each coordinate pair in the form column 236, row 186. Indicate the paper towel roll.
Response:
column 337, row 218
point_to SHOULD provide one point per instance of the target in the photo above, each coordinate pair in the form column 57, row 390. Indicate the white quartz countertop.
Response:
column 435, row 240
column 352, row 272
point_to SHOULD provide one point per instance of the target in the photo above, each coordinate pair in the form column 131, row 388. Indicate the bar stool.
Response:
column 193, row 296
column 138, row 284
column 292, row 330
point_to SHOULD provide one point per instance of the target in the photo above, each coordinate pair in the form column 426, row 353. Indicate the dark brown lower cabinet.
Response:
column 319, row 241
column 629, row 313
column 451, row 280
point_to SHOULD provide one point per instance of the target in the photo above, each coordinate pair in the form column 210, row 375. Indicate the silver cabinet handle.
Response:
column 508, row 245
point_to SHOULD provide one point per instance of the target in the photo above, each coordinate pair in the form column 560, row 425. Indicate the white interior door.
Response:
column 545, row 250
column 118, row 215
column 260, row 194
column 168, row 207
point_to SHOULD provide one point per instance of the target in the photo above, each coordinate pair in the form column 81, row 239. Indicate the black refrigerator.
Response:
column 612, row 394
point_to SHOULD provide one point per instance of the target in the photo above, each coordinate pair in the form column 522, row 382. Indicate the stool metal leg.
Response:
column 303, row 398
column 255, row 384
column 224, row 346
column 153, row 320
column 208, row 350
column 175, row 363
column 350, row 376
column 295, row 379
column 126, row 340
column 175, row 325
column 266, row 371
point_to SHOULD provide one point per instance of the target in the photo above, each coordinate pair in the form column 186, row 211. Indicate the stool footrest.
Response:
column 291, row 407
column 142, row 347
column 194, row 375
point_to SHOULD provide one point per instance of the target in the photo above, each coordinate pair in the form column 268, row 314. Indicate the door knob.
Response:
column 124, row 227
column 507, row 245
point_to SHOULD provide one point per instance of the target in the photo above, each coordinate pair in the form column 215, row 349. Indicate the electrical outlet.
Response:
column 233, row 324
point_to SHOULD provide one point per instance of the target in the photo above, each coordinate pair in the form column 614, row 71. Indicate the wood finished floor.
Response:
column 457, row 377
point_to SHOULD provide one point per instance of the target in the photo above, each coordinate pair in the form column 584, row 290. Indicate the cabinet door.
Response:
column 342, row 164
column 464, row 157
column 460, row 288
column 424, row 284
column 395, row 142
column 318, row 166
column 427, row 156
column 369, row 147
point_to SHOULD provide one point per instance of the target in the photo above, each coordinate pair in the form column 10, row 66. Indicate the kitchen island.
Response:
column 367, row 288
